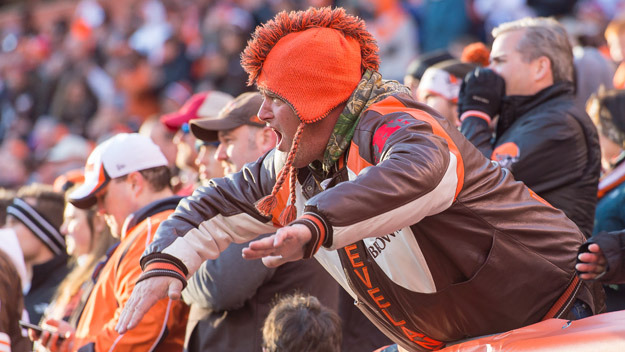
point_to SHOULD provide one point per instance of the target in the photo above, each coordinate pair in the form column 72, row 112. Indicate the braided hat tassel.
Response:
column 267, row 204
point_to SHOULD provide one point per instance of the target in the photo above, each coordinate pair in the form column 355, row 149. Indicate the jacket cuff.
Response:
column 161, row 264
column 476, row 113
column 320, row 230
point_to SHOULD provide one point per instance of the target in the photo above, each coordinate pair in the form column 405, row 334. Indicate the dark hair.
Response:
column 158, row 177
column 300, row 323
column 48, row 203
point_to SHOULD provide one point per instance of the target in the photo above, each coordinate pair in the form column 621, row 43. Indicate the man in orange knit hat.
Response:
column 420, row 228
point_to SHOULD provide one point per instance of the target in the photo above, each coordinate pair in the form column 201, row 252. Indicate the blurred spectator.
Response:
column 208, row 166
column 74, row 103
column 301, row 323
column 225, row 30
column 138, row 80
column 440, row 86
column 163, row 137
column 242, row 136
column 396, row 34
column 607, row 110
column 417, row 68
column 442, row 22
column 592, row 70
column 67, row 180
column 149, row 39
column 175, row 95
column 615, row 36
column 67, row 154
column 14, row 155
column 476, row 53
column 201, row 105
column 495, row 12
column 36, row 215
column 88, row 241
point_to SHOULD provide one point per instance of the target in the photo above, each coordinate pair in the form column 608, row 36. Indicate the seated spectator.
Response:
column 88, row 240
column 417, row 68
column 301, row 323
column 133, row 193
column 208, row 166
column 201, row 105
column 440, row 86
column 36, row 216
column 592, row 70
column 607, row 110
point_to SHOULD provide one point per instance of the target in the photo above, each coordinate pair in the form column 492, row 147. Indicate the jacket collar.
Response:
column 516, row 106
column 44, row 271
column 153, row 208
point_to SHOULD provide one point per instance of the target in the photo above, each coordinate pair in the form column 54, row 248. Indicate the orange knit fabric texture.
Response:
column 314, row 71
column 313, row 59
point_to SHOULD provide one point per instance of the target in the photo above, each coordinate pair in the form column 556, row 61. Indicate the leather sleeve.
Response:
column 205, row 223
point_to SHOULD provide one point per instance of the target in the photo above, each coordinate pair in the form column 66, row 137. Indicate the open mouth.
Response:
column 279, row 139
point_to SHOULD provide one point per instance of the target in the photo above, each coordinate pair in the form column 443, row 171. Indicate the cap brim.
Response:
column 84, row 197
column 207, row 129
column 173, row 121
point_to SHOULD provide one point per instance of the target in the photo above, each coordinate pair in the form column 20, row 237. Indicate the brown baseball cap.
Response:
column 243, row 110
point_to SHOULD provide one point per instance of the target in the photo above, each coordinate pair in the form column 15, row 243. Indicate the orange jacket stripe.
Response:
column 164, row 266
column 322, row 230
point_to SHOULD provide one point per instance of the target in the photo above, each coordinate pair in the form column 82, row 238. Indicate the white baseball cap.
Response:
column 117, row 156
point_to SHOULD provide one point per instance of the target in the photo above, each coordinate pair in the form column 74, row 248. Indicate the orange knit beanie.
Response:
column 313, row 60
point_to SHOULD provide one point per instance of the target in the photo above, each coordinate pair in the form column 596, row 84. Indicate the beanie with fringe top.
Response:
column 313, row 60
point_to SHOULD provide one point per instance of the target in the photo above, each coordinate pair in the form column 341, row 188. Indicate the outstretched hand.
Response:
column 286, row 245
column 592, row 264
column 145, row 295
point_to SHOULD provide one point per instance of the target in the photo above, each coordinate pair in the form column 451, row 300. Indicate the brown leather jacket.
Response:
column 436, row 242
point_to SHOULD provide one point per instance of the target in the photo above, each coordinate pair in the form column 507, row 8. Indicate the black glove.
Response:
column 482, row 89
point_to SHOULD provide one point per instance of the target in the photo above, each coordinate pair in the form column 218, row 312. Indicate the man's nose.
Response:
column 200, row 156
column 220, row 153
column 264, row 113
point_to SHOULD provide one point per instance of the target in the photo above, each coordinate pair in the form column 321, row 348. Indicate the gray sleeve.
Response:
column 227, row 282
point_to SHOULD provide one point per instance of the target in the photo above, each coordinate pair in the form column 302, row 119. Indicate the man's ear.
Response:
column 542, row 70
column 136, row 182
column 267, row 139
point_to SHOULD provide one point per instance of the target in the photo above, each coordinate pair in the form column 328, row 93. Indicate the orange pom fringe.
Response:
column 266, row 205
column 476, row 53
column 267, row 35
column 288, row 215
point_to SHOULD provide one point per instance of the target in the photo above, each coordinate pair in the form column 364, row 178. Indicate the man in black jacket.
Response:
column 540, row 135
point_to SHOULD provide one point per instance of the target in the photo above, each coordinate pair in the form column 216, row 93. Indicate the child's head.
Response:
column 300, row 323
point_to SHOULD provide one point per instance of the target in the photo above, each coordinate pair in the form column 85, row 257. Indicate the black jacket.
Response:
column 550, row 145
column 46, row 279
